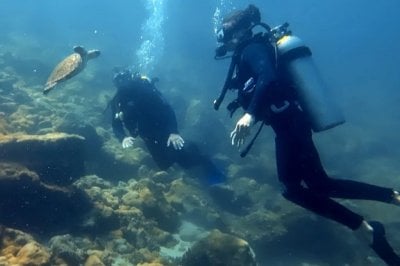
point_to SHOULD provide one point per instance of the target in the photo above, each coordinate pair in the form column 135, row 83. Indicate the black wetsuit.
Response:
column 142, row 110
column 298, row 163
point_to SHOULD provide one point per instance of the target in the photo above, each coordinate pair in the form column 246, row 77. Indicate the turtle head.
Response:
column 80, row 50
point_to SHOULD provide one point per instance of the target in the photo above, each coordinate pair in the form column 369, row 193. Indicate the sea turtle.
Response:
column 70, row 66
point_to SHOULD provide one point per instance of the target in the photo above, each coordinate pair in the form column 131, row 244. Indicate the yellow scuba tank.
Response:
column 314, row 95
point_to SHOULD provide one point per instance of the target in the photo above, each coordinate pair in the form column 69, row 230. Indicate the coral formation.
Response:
column 64, row 177
column 30, row 204
column 56, row 157
column 219, row 249
column 19, row 248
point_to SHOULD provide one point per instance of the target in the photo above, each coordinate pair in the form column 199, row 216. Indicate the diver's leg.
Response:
column 316, row 179
column 297, row 162
column 292, row 168
column 372, row 233
column 163, row 156
column 349, row 189
column 323, row 206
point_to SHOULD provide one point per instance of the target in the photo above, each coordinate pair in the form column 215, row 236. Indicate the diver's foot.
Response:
column 365, row 232
column 396, row 198
column 225, row 197
column 381, row 246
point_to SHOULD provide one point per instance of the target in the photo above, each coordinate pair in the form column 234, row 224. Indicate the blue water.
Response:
column 354, row 43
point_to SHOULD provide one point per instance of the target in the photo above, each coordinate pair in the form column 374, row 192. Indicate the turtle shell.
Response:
column 66, row 69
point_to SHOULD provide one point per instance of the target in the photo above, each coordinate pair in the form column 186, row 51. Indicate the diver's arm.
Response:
column 171, row 120
column 261, row 66
column 118, row 130
column 119, row 124
column 118, row 127
column 174, row 139
column 116, row 122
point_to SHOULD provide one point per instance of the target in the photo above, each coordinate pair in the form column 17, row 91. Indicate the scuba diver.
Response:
column 139, row 109
column 264, row 77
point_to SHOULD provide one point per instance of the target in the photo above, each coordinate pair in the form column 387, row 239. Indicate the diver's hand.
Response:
column 127, row 142
column 242, row 129
column 176, row 140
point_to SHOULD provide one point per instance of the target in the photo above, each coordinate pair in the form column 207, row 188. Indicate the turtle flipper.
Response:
column 93, row 54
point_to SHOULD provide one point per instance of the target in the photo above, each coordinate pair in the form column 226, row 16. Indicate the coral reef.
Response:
column 219, row 249
column 56, row 157
column 29, row 204
column 65, row 179
column 19, row 248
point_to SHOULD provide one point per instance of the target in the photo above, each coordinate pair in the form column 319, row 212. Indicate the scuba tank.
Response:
column 295, row 58
column 313, row 93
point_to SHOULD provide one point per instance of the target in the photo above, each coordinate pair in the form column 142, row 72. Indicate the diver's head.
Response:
column 126, row 79
column 236, row 27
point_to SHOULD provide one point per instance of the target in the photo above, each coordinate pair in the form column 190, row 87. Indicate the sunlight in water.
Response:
column 152, row 36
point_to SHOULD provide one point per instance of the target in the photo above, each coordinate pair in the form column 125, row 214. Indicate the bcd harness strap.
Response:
column 244, row 152
column 228, row 81
column 234, row 105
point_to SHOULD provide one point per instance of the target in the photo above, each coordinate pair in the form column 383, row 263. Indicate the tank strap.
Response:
column 228, row 81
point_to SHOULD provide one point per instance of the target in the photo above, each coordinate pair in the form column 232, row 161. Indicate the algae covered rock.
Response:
column 4, row 127
column 150, row 199
column 27, row 203
column 19, row 248
column 218, row 249
column 93, row 260
column 58, row 158
column 68, row 250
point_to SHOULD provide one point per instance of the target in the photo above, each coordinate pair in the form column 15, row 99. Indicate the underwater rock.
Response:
column 18, row 248
column 7, row 81
column 104, row 216
column 149, row 198
column 32, row 254
column 135, row 209
column 93, row 260
column 3, row 125
column 93, row 141
column 219, row 249
column 67, row 249
column 29, row 204
column 104, row 157
column 118, row 163
column 8, row 107
column 194, row 203
column 187, row 235
column 262, row 227
column 24, row 119
column 150, row 264
column 20, row 94
column 58, row 158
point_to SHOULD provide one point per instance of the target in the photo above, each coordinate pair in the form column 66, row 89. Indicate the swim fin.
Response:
column 381, row 246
